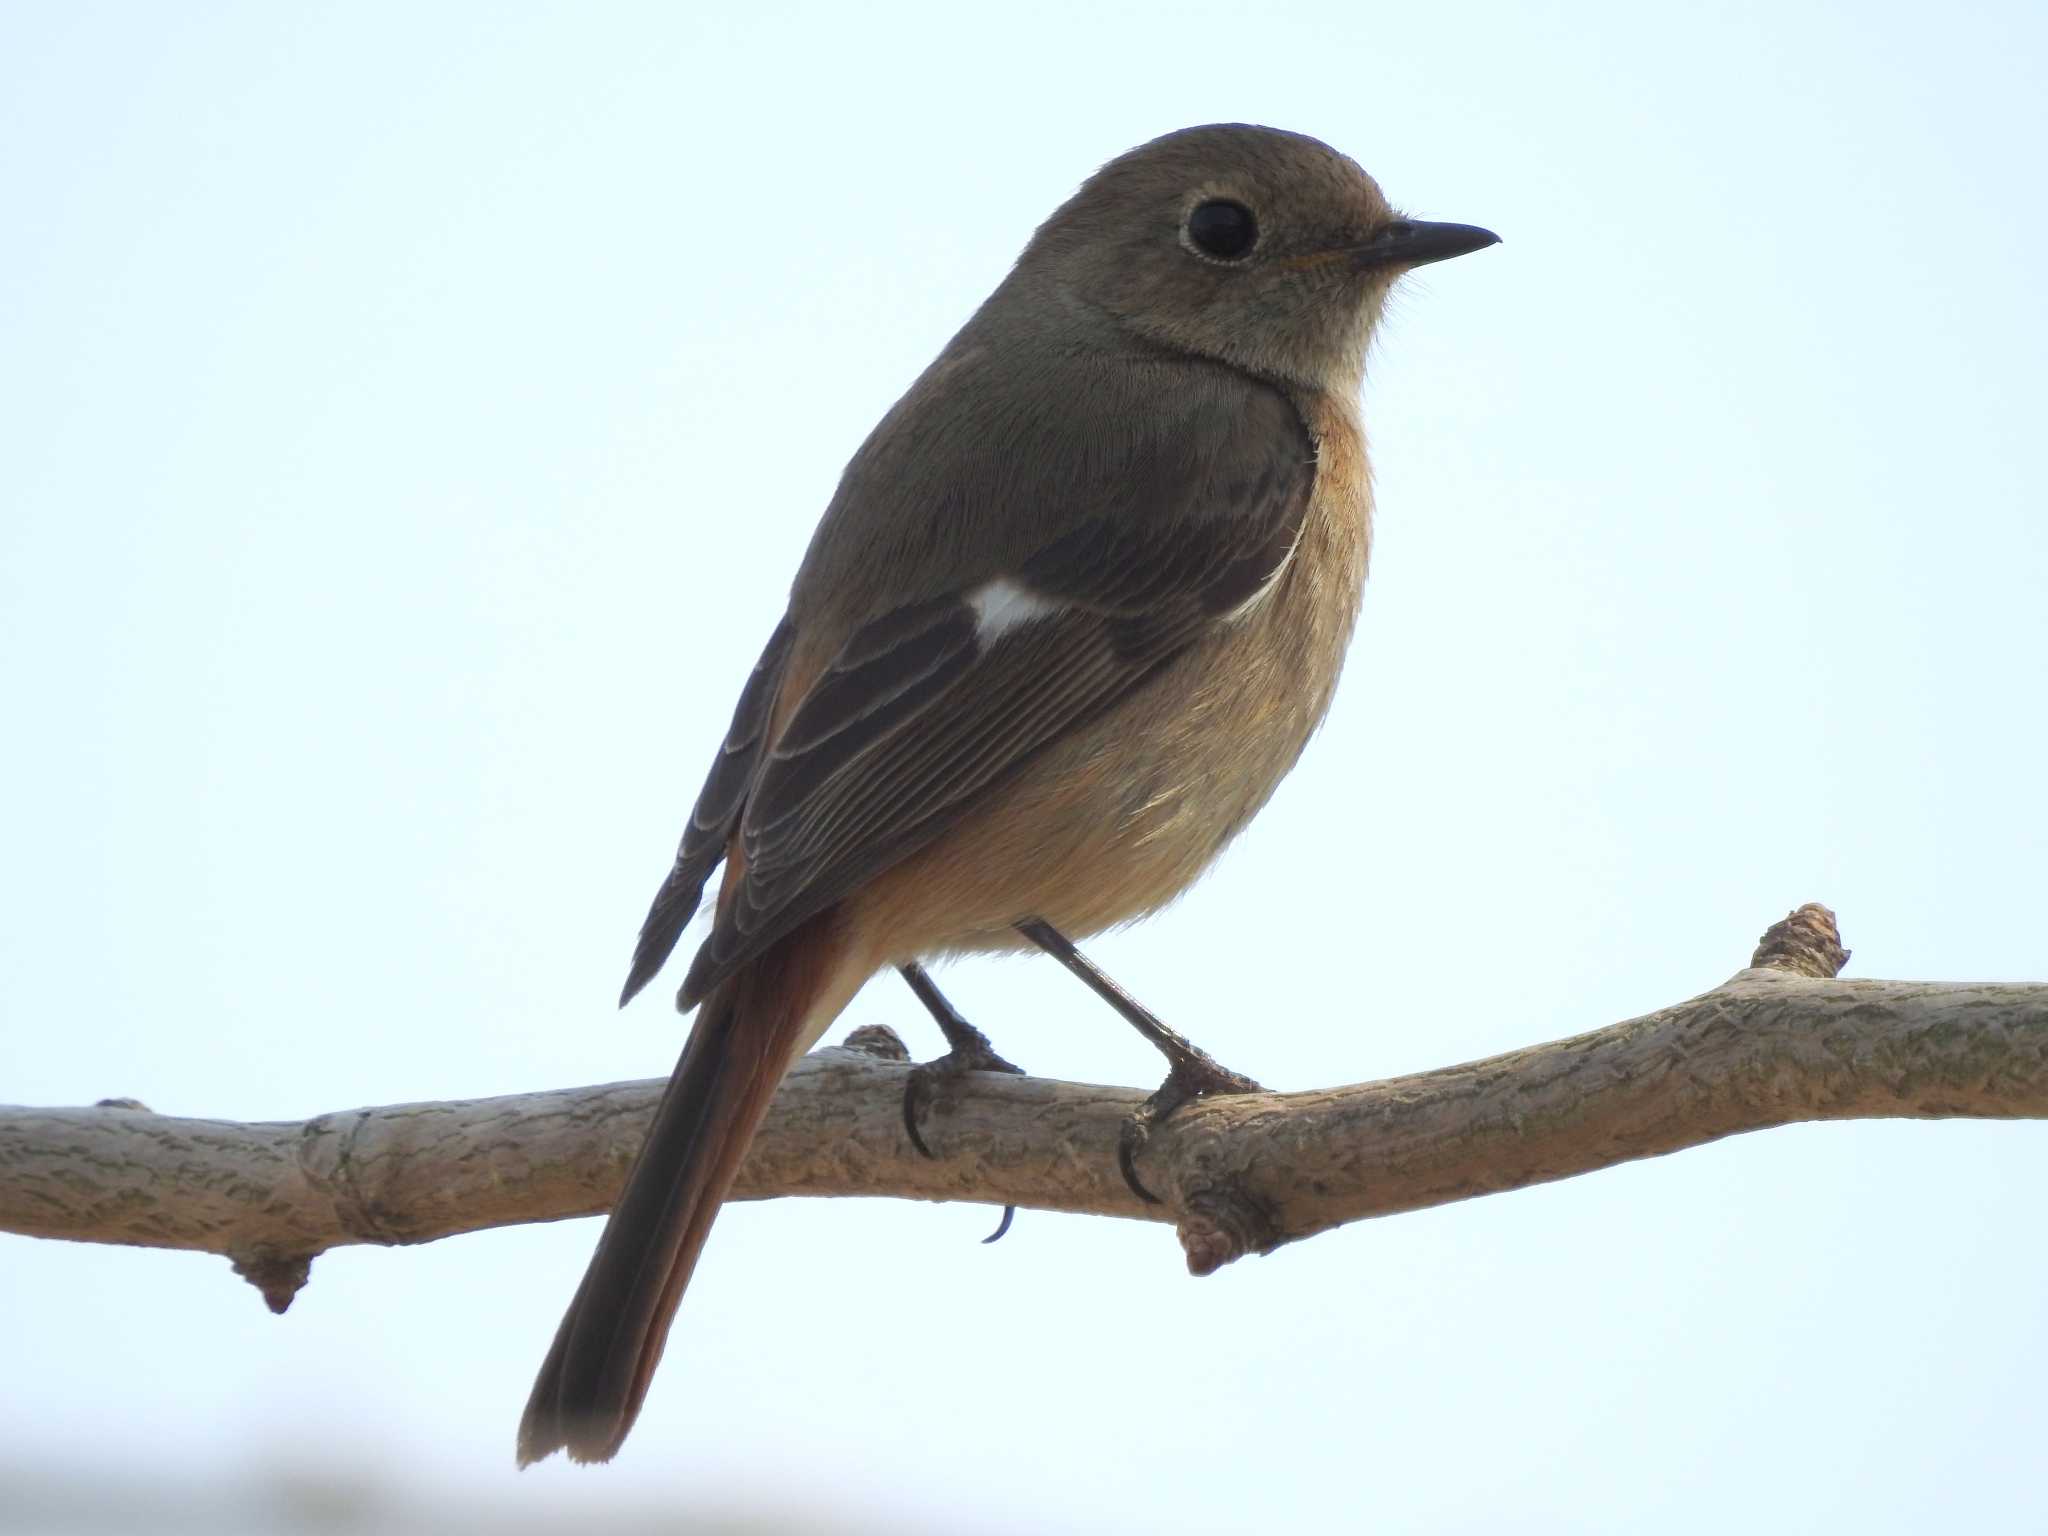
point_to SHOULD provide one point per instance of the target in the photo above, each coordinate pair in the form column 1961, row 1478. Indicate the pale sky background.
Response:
column 412, row 416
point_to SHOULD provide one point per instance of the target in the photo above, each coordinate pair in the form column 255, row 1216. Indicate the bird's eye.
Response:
column 1223, row 230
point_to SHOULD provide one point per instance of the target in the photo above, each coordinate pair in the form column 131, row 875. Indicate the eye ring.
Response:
column 1220, row 229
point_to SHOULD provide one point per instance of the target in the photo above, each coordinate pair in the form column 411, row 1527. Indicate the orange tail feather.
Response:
column 596, row 1375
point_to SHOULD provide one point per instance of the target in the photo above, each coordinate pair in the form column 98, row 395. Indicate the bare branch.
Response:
column 1780, row 1042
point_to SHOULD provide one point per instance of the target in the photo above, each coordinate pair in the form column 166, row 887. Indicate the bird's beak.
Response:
column 1416, row 243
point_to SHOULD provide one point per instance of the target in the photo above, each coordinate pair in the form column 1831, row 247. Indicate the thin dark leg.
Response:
column 969, row 1051
column 963, row 1037
column 1191, row 1071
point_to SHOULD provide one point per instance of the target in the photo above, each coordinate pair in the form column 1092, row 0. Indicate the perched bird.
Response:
column 1075, row 609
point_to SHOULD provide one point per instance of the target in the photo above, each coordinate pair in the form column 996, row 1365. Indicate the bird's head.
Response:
column 1261, row 248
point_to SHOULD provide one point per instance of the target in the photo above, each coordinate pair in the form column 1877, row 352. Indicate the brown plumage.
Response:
column 1075, row 610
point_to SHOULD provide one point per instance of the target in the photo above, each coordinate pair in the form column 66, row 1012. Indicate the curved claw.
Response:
column 1129, row 1142
column 916, row 1095
column 1009, row 1215
column 926, row 1077
column 1196, row 1077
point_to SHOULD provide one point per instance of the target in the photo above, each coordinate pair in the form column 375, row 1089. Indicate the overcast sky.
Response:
column 412, row 418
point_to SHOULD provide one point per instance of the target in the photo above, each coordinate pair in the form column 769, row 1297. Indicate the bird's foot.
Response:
column 1193, row 1074
column 971, row 1052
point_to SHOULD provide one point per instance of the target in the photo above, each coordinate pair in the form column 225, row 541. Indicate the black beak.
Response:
column 1416, row 243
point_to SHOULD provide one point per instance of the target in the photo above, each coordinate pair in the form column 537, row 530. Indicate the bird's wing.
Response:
column 716, row 815
column 932, row 704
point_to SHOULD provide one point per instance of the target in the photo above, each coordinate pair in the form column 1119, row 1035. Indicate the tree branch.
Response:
column 1780, row 1042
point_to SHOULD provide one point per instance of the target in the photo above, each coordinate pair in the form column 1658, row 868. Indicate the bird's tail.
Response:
column 596, row 1374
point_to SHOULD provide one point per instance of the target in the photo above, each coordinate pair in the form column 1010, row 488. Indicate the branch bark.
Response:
column 1779, row 1042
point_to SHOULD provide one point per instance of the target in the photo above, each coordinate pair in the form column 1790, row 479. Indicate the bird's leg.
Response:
column 1191, row 1071
column 968, row 1051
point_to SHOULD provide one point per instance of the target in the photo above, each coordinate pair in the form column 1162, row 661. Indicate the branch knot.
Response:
column 1224, row 1223
column 1804, row 941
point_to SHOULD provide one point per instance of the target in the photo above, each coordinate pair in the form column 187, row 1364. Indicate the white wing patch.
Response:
column 1001, row 605
column 1250, row 605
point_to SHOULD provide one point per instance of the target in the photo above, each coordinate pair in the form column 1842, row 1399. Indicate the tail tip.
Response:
column 591, row 1444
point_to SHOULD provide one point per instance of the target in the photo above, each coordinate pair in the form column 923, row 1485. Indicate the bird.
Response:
column 1075, row 609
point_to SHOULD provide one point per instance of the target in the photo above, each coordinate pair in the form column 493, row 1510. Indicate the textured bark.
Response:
column 1780, row 1042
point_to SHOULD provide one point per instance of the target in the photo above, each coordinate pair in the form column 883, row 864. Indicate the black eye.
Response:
column 1223, row 229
